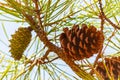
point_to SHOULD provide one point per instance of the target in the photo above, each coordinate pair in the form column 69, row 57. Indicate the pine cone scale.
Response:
column 112, row 67
column 82, row 42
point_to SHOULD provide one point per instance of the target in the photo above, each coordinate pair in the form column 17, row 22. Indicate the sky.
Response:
column 10, row 28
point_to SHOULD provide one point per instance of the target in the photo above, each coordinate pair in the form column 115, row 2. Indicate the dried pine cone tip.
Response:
column 64, row 43
column 92, row 28
column 30, row 29
column 84, row 26
column 62, row 36
column 19, row 42
column 75, row 28
column 112, row 64
column 65, row 29
column 81, row 42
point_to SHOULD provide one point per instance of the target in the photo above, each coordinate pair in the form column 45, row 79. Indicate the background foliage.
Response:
column 55, row 15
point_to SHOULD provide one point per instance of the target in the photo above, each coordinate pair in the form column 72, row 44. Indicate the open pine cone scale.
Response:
column 80, row 43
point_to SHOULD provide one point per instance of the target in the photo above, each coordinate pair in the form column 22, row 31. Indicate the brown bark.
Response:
column 81, row 73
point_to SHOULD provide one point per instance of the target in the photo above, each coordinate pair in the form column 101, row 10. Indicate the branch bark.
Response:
column 81, row 73
column 53, row 48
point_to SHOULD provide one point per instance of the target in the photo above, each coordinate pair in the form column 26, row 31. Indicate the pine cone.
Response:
column 81, row 43
column 113, row 68
column 19, row 42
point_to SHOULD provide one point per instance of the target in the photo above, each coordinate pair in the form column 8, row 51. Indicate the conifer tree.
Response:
column 60, row 40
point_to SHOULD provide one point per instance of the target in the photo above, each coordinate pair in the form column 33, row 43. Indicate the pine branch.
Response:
column 38, row 13
column 104, row 16
column 81, row 73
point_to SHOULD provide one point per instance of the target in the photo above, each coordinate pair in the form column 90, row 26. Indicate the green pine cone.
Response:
column 19, row 42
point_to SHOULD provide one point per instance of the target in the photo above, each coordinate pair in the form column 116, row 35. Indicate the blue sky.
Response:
column 11, row 27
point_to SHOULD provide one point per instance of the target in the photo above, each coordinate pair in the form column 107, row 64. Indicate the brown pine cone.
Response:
column 112, row 66
column 81, row 43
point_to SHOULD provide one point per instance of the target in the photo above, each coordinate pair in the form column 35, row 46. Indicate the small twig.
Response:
column 113, row 33
column 102, row 21
column 46, row 54
column 51, row 60
column 101, row 16
column 38, row 13
column 96, row 60
column 114, row 25
column 98, row 56
column 102, row 51
column 41, row 59
column 104, row 16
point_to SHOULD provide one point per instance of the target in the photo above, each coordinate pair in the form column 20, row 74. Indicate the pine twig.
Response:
column 101, row 16
column 81, row 73
column 38, row 13
column 104, row 16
